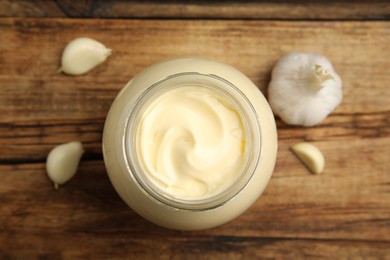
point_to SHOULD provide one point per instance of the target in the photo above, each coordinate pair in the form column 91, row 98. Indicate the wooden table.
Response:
column 343, row 213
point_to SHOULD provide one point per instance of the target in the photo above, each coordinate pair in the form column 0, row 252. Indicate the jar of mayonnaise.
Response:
column 190, row 143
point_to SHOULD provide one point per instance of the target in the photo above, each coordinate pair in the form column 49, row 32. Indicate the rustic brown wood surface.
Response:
column 343, row 213
column 226, row 9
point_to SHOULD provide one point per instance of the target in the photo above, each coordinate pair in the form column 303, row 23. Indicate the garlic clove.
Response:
column 304, row 89
column 82, row 55
column 310, row 155
column 62, row 162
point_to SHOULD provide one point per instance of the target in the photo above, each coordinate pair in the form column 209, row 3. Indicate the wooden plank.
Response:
column 349, row 201
column 300, row 214
column 201, row 9
column 179, row 246
column 31, row 140
column 37, row 8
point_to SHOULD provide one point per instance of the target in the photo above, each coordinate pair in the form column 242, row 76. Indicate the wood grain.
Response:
column 201, row 9
column 345, row 212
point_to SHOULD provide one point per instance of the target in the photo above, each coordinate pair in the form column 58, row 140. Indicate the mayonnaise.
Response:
column 191, row 142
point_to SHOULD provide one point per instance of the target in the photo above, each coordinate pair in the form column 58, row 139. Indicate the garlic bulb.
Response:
column 62, row 162
column 82, row 55
column 304, row 89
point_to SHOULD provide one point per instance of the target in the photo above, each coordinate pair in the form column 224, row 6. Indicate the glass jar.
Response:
column 127, row 174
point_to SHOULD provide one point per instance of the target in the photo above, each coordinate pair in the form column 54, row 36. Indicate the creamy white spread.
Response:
column 191, row 142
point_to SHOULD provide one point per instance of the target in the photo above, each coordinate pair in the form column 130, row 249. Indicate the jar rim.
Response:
column 251, row 125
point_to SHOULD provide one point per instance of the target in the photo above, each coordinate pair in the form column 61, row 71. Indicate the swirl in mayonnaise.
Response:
column 191, row 142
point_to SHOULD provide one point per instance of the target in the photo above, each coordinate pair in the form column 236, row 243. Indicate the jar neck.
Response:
column 251, row 127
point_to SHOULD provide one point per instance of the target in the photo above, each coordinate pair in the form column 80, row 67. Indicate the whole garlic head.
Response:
column 304, row 89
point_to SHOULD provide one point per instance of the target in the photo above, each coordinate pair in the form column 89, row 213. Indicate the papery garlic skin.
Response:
column 82, row 55
column 62, row 162
column 304, row 89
